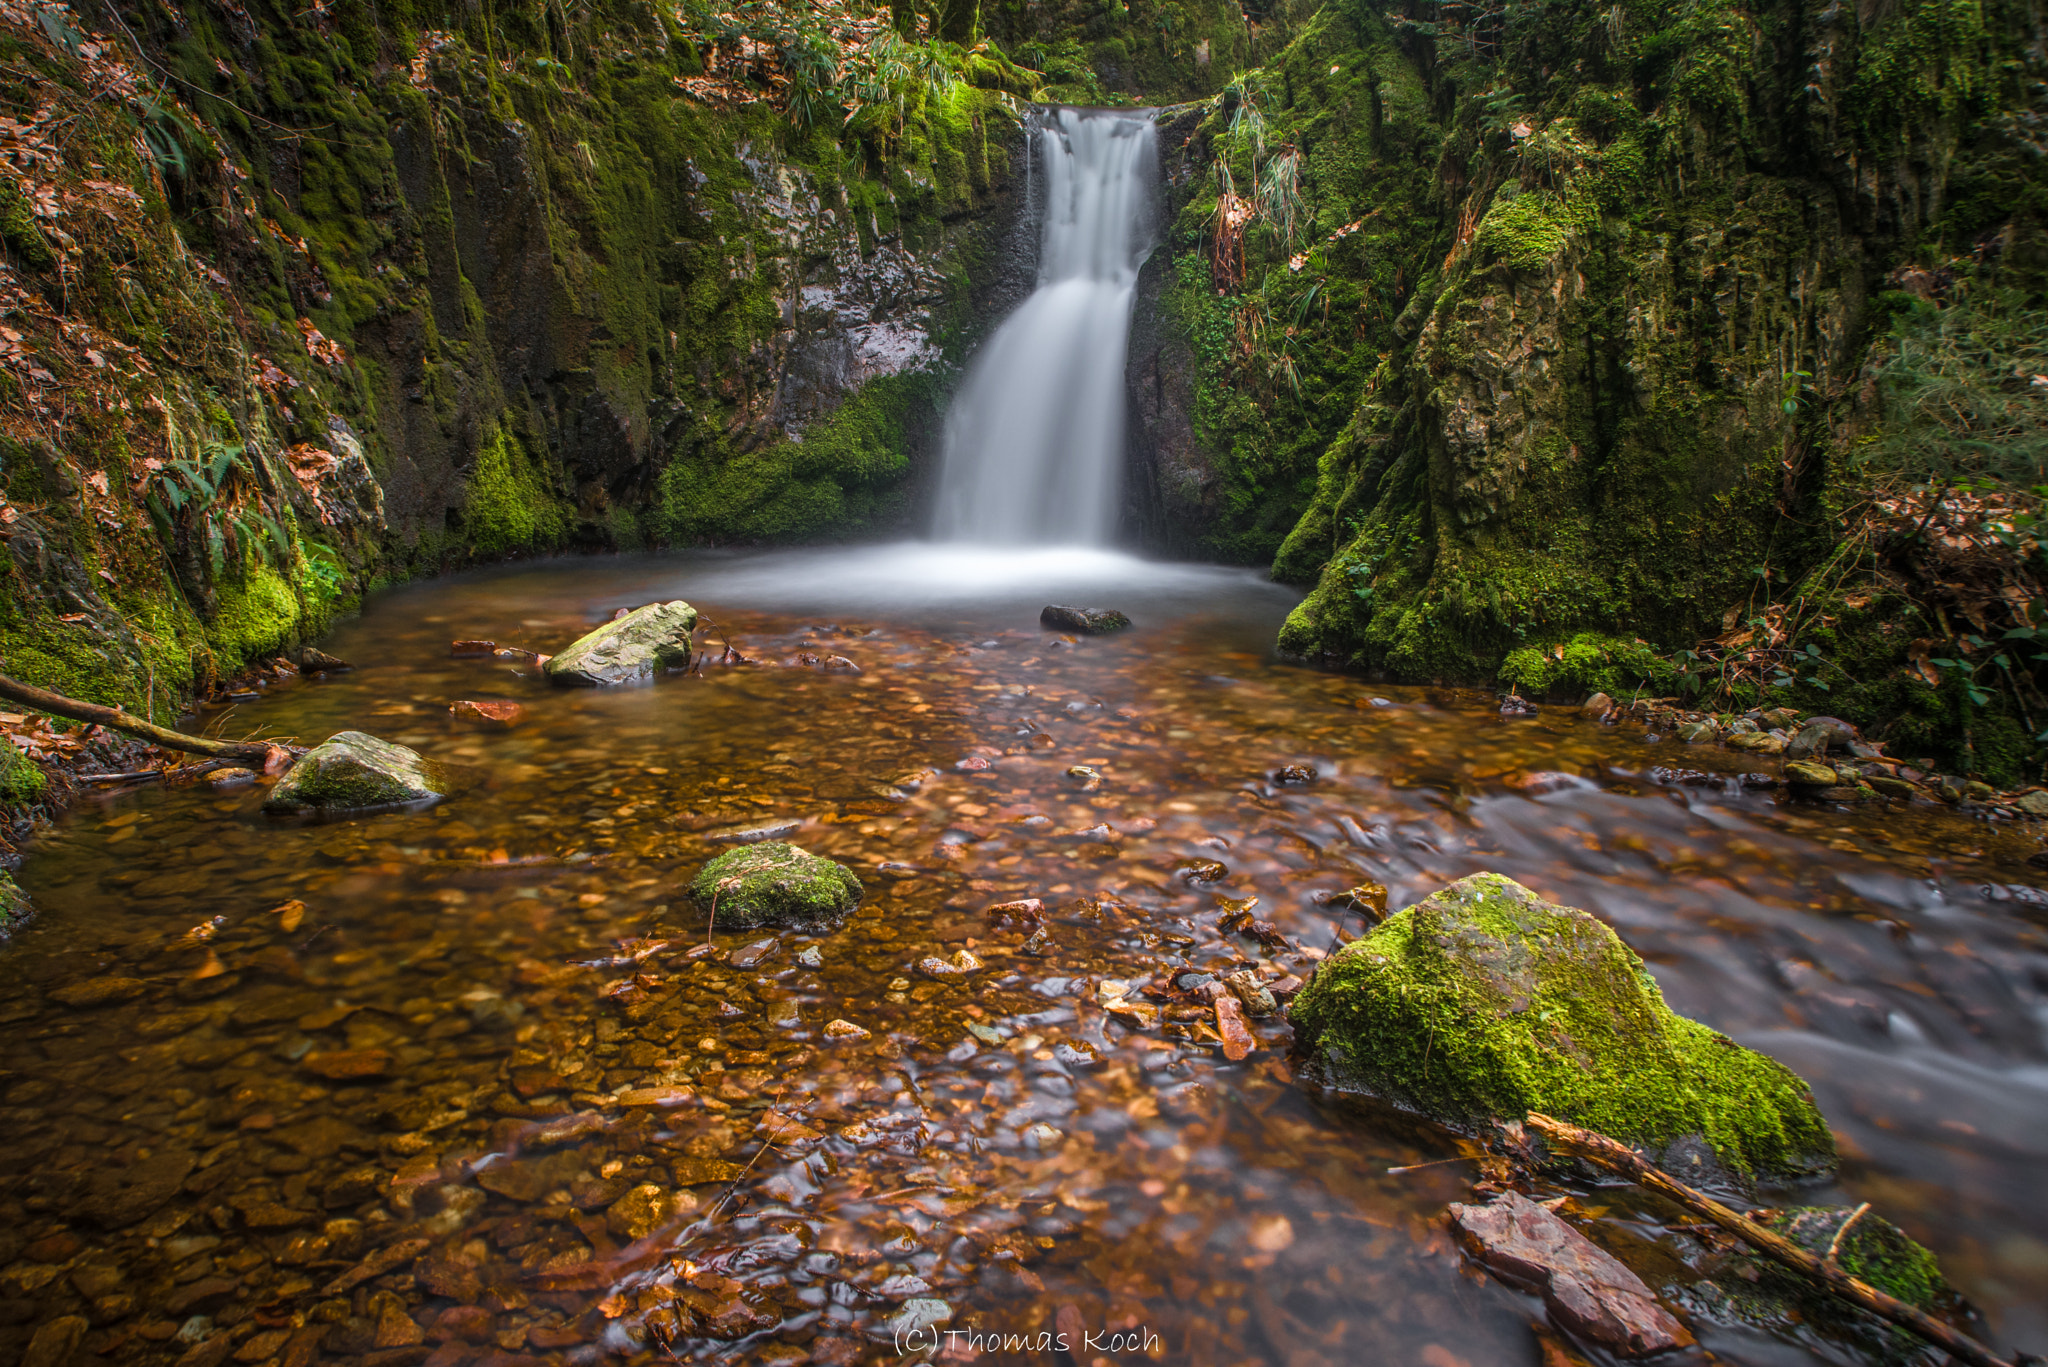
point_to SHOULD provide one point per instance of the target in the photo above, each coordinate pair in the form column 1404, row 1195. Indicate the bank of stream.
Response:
column 476, row 1083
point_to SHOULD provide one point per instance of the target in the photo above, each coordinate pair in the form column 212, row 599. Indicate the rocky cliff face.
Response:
column 302, row 302
column 1545, row 347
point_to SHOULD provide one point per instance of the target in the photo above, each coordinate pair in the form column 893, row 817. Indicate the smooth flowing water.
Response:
column 465, row 1085
column 1035, row 437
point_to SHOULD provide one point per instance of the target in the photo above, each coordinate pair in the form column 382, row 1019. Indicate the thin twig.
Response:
column 1835, row 1244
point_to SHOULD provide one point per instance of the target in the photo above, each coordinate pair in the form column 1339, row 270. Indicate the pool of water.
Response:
column 477, row 1084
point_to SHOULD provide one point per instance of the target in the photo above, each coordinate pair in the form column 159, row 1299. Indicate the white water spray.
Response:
column 1035, row 437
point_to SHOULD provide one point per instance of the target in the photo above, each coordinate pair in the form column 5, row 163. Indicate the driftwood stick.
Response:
column 1618, row 1158
column 256, row 752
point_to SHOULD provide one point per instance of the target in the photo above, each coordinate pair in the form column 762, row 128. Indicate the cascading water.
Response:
column 1034, row 439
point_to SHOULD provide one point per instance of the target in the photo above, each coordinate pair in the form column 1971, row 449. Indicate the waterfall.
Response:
column 1034, row 439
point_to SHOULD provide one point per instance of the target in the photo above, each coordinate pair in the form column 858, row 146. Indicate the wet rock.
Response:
column 1805, row 774
column 947, row 970
column 1762, row 1294
column 1025, row 911
column 1695, row 732
column 755, row 832
column 1485, row 1002
column 1251, row 993
column 1597, row 706
column 811, row 956
column 844, row 1031
column 488, row 713
column 1818, row 736
column 1087, row 621
column 473, row 649
column 1587, row 1290
column 55, row 1342
column 753, row 955
column 99, row 992
column 313, row 661
column 773, row 883
column 347, row 1065
column 2033, row 804
column 354, row 772
column 1200, row 870
column 119, row 1196
column 1295, row 774
column 1516, row 709
column 1237, row 1037
column 646, row 1209
column 1757, row 743
column 1089, row 779
column 230, row 778
column 628, row 649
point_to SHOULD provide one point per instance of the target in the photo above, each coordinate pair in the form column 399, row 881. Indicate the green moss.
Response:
column 1528, row 230
column 846, row 476
column 773, row 883
column 1587, row 663
column 508, row 506
column 1484, row 1002
column 21, row 778
column 18, row 226
column 257, row 615
column 350, row 772
column 14, row 904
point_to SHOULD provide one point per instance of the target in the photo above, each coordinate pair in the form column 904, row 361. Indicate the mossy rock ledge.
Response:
column 352, row 772
column 637, row 646
column 1484, row 1002
column 773, row 883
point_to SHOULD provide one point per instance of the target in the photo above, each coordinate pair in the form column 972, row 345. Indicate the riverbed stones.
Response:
column 628, row 649
column 353, row 772
column 1483, row 1002
column 1587, row 1290
column 1818, row 736
column 773, row 883
column 1806, row 775
column 1087, row 621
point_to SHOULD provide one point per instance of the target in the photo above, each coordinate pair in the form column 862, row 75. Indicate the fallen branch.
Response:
column 1618, row 1158
column 261, row 754
column 179, row 771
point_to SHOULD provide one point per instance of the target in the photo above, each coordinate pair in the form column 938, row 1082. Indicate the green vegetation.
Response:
column 21, row 779
column 773, row 883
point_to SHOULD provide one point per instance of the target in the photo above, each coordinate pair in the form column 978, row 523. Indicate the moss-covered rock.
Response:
column 1751, row 1290
column 1485, row 1002
column 773, row 883
column 14, row 904
column 21, row 778
column 352, row 772
column 637, row 646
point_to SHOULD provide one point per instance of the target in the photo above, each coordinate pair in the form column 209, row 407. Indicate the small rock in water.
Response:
column 230, row 778
column 1693, row 732
column 1043, row 1136
column 471, row 650
column 1807, row 774
column 1818, row 736
column 844, row 1030
column 1597, row 706
column 100, row 992
column 1090, row 779
column 313, row 661
column 1237, row 1037
column 773, row 883
column 1587, row 1290
column 1295, row 774
column 810, row 956
column 348, row 1065
column 1200, row 870
column 491, row 713
column 756, row 832
column 1381, row 702
column 1025, row 911
column 1037, row 944
column 631, row 648
column 945, row 970
column 1087, row 621
column 1251, row 994
column 353, row 772
column 972, row 764
column 750, row 956
column 1513, row 707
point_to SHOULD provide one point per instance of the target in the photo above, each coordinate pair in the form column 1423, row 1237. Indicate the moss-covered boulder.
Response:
column 352, row 772
column 1485, row 1002
column 773, row 883
column 628, row 649
column 14, row 904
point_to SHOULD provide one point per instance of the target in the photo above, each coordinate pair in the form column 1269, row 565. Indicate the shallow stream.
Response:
column 462, row 1083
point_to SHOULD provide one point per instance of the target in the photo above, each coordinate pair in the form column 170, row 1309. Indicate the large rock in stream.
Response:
column 352, row 772
column 628, row 649
column 1483, row 1002
column 773, row 883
